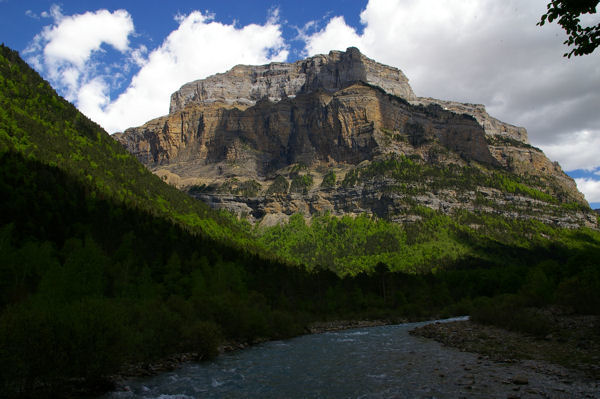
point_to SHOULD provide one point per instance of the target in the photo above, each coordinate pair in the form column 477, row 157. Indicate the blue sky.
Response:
column 119, row 61
column 154, row 19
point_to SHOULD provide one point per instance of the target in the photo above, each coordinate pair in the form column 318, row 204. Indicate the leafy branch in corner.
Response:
column 568, row 14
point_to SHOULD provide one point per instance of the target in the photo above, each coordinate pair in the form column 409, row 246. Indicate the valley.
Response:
column 405, row 211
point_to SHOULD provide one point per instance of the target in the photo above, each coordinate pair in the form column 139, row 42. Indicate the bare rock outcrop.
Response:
column 491, row 125
column 350, row 125
column 245, row 84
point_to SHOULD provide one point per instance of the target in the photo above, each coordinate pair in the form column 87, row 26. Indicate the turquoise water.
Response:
column 375, row 362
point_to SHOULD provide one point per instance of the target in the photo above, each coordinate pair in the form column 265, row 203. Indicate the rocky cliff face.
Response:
column 245, row 85
column 491, row 125
column 320, row 135
column 348, row 126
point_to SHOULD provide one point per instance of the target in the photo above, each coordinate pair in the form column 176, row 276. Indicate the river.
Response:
column 374, row 362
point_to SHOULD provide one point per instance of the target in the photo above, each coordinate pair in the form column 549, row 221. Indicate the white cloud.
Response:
column 337, row 35
column 488, row 52
column 138, row 55
column 93, row 96
column 579, row 150
column 75, row 37
column 64, row 50
column 590, row 188
column 30, row 14
column 54, row 12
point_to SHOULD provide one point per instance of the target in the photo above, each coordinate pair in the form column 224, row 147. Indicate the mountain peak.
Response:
column 246, row 84
column 342, row 133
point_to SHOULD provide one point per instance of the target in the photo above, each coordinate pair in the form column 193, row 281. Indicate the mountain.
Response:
column 343, row 134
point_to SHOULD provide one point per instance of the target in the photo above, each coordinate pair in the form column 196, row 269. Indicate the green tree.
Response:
column 329, row 179
column 301, row 184
column 584, row 39
column 279, row 186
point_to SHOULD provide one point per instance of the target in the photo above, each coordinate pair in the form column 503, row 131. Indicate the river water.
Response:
column 374, row 362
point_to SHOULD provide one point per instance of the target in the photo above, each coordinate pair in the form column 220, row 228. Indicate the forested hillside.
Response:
column 40, row 125
column 351, row 245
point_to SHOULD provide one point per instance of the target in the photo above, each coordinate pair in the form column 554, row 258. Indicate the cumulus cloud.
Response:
column 75, row 38
column 65, row 52
column 336, row 36
column 487, row 52
column 590, row 188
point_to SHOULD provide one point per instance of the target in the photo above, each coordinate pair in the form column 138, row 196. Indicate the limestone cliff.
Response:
column 246, row 84
column 348, row 126
column 264, row 142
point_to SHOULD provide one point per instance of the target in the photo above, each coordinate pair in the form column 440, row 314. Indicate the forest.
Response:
column 102, row 264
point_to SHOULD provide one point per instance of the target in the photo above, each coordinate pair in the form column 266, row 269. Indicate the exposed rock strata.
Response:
column 247, row 85
column 338, row 111
column 491, row 125
column 375, row 199
column 348, row 126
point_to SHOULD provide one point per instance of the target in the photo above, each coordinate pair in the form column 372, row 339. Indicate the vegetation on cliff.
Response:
column 428, row 239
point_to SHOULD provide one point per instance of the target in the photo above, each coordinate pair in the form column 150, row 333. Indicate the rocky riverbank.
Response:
column 337, row 325
column 570, row 354
column 574, row 342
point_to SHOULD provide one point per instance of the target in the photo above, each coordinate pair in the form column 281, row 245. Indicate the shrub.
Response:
column 279, row 186
column 43, row 347
column 203, row 337
column 538, row 288
column 249, row 188
column 329, row 179
column 582, row 291
column 351, row 178
column 301, row 184
column 507, row 311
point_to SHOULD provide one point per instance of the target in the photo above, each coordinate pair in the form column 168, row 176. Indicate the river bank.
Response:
column 574, row 342
column 569, row 354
